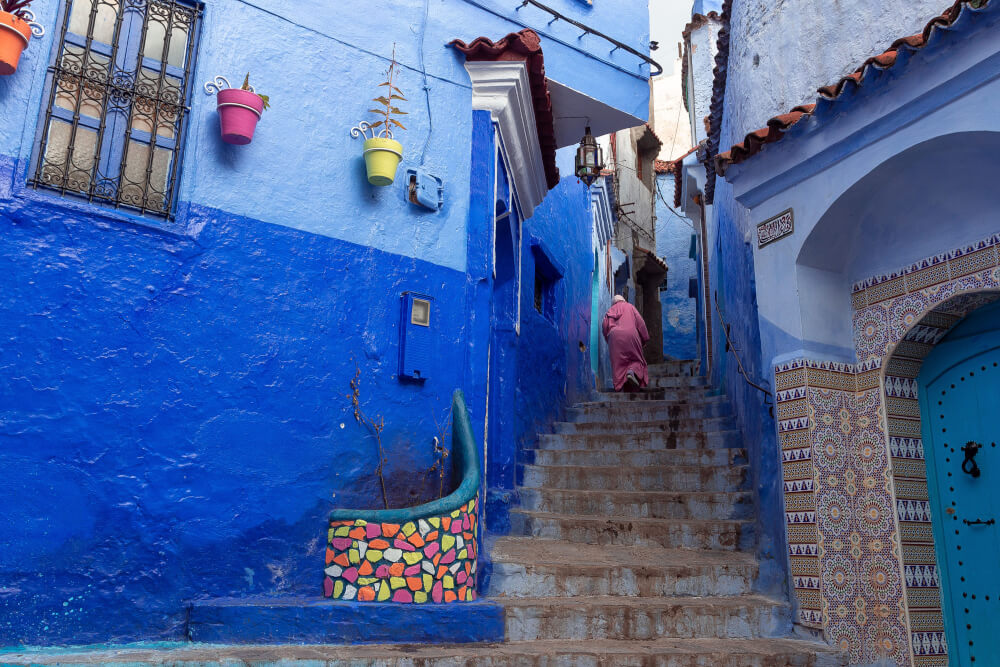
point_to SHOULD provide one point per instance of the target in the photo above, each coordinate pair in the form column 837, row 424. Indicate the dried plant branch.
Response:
column 441, row 449
column 386, row 100
column 376, row 425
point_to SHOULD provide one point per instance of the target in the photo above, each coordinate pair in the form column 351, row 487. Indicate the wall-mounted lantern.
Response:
column 589, row 159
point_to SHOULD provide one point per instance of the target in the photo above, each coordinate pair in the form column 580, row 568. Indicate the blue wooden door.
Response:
column 960, row 401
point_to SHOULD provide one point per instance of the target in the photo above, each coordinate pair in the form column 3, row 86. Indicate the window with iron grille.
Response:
column 116, row 109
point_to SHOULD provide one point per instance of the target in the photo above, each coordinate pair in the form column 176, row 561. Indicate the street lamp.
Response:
column 589, row 159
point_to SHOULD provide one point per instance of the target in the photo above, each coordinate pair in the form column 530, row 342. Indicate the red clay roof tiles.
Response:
column 525, row 46
column 754, row 142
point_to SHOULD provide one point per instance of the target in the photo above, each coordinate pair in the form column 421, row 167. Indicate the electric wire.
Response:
column 427, row 88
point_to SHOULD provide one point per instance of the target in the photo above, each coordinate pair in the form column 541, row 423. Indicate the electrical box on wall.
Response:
column 424, row 189
column 416, row 336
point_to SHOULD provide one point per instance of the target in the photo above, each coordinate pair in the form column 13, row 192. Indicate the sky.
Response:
column 667, row 19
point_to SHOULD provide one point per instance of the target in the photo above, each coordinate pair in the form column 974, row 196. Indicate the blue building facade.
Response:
column 851, row 265
column 177, row 414
column 677, row 244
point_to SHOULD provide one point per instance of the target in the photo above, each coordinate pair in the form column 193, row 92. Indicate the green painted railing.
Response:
column 465, row 457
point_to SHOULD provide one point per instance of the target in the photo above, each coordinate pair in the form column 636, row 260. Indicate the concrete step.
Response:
column 593, row 653
column 676, row 381
column 634, row 457
column 525, row 567
column 649, row 478
column 653, row 440
column 682, row 367
column 654, row 394
column 644, row 619
column 640, row 504
column 708, row 534
column 659, row 426
column 648, row 411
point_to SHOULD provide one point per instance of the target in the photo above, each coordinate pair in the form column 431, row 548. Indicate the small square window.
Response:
column 420, row 314
column 547, row 276
column 539, row 292
column 545, row 295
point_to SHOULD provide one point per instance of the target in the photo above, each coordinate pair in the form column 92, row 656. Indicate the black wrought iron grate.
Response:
column 117, row 109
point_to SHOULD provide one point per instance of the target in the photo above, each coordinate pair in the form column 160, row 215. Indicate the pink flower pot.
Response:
column 239, row 111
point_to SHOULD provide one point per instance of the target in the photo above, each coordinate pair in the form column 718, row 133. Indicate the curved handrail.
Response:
column 466, row 459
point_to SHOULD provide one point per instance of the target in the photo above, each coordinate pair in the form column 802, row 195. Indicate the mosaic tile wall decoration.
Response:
column 842, row 536
column 904, row 314
column 427, row 560
column 851, row 447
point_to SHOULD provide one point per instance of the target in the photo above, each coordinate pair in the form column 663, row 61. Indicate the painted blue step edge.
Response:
column 466, row 460
column 322, row 621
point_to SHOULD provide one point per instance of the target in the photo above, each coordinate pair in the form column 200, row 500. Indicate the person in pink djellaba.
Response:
column 626, row 333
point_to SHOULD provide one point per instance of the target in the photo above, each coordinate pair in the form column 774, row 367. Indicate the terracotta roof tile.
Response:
column 654, row 257
column 673, row 167
column 525, row 46
column 697, row 21
column 663, row 166
column 755, row 141
column 716, row 108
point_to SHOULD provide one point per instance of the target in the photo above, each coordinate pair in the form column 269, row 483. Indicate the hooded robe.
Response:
column 626, row 333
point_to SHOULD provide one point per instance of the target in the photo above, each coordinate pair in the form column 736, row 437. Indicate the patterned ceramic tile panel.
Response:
column 800, row 500
column 428, row 560
column 906, row 323
column 842, row 539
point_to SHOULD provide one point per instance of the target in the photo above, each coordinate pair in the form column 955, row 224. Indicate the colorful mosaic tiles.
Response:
column 859, row 520
column 838, row 508
column 427, row 560
column 902, row 324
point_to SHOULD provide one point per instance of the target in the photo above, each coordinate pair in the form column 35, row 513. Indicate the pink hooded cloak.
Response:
column 626, row 333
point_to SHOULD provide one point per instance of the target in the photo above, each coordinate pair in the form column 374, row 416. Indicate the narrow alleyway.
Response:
column 637, row 524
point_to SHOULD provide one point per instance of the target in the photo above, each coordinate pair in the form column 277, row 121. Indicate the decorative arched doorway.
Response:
column 858, row 510
column 933, row 400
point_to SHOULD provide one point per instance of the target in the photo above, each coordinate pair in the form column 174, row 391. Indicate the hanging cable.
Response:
column 670, row 208
column 427, row 88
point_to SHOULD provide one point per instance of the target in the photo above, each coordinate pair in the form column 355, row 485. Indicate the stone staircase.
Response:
column 635, row 537
column 632, row 545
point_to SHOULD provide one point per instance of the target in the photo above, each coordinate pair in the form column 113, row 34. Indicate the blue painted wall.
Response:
column 556, row 348
column 732, row 283
column 673, row 244
column 175, row 414
column 705, row 6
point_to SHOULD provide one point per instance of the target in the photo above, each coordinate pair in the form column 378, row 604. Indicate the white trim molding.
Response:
column 503, row 89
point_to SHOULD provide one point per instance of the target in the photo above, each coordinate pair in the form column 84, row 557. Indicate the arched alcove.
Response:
column 920, row 512
column 931, row 196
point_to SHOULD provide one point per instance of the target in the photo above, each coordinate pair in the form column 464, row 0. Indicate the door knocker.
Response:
column 969, row 465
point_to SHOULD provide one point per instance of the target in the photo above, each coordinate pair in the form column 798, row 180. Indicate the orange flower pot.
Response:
column 14, row 36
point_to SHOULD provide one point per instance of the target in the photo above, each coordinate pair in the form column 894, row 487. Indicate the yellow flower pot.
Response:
column 382, row 157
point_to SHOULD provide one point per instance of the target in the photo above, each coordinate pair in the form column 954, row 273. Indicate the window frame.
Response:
column 548, row 276
column 114, row 132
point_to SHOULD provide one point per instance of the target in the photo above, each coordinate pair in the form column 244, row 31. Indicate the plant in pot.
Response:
column 382, row 152
column 17, row 25
column 239, row 109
